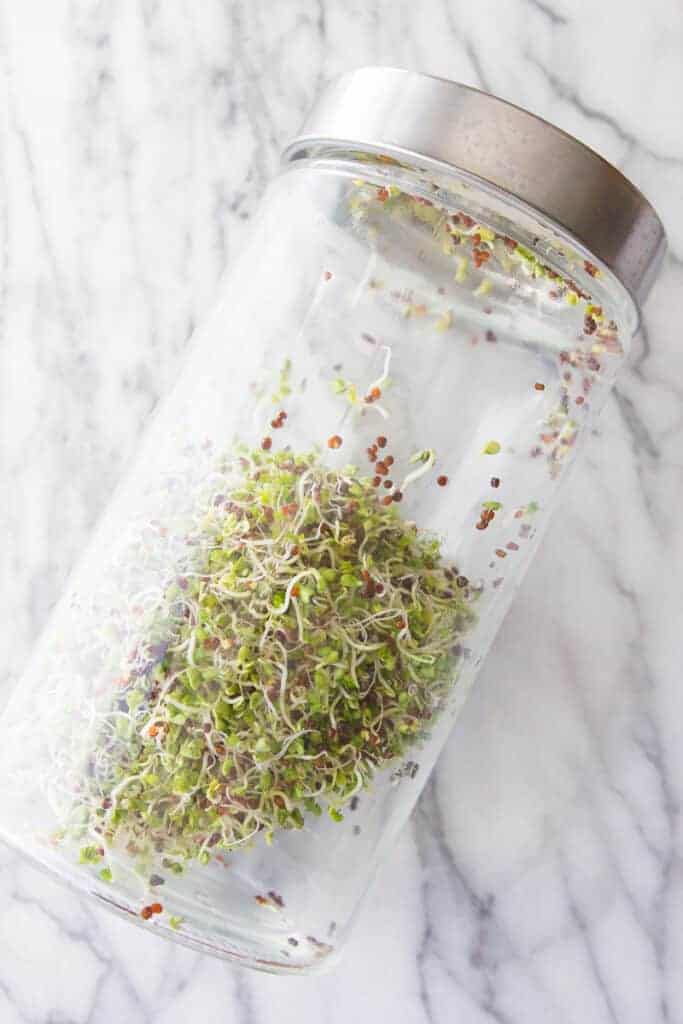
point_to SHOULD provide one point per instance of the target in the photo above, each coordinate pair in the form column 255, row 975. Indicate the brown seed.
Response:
column 383, row 194
column 381, row 442
column 372, row 454
column 501, row 553
column 490, row 336
column 397, row 496
column 538, row 386
column 267, row 443
column 462, row 581
column 335, row 441
column 146, row 913
column 442, row 480
column 156, row 908
column 382, row 468
column 495, row 481
column 376, row 481
column 511, row 546
column 387, row 500
column 327, row 275
column 389, row 460
column 388, row 484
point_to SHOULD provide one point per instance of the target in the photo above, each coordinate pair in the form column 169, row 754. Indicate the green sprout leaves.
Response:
column 311, row 644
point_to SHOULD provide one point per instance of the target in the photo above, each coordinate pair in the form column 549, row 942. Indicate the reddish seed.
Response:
column 327, row 275
column 482, row 524
column 335, row 441
column 381, row 442
column 389, row 460
column 538, row 386
column 153, row 730
column 372, row 455
column 388, row 484
column 267, row 443
column 382, row 468
column 495, row 481
column 295, row 591
column 501, row 553
column 590, row 268
column 146, row 913
column 376, row 481
column 401, row 624
column 442, row 480
column 511, row 546
column 383, row 194
column 397, row 496
column 476, row 238
column 379, row 588
column 156, row 908
column 580, row 400
column 509, row 243
column 387, row 500
column 373, row 395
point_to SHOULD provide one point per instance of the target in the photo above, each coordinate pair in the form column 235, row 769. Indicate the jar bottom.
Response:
column 275, row 950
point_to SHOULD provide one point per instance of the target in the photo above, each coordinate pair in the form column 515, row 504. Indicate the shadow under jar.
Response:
column 252, row 671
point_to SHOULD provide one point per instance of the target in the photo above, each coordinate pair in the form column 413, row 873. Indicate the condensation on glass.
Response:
column 251, row 673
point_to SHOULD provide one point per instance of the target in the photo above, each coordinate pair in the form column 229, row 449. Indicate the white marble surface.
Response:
column 541, row 878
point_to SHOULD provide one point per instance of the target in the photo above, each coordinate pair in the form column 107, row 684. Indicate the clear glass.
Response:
column 245, row 686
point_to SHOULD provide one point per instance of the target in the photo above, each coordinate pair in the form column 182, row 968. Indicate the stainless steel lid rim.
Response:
column 502, row 145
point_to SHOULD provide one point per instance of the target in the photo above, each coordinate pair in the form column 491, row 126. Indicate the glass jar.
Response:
column 251, row 673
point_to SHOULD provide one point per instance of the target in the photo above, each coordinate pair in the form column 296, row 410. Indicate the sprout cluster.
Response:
column 312, row 644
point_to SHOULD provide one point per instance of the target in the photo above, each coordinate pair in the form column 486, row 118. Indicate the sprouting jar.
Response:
column 244, row 688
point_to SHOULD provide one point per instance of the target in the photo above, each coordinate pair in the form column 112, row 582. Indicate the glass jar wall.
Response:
column 241, row 694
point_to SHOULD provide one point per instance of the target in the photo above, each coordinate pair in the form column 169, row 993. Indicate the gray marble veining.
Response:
column 541, row 878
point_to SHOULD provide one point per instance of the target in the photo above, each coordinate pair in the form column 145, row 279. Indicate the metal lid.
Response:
column 432, row 118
